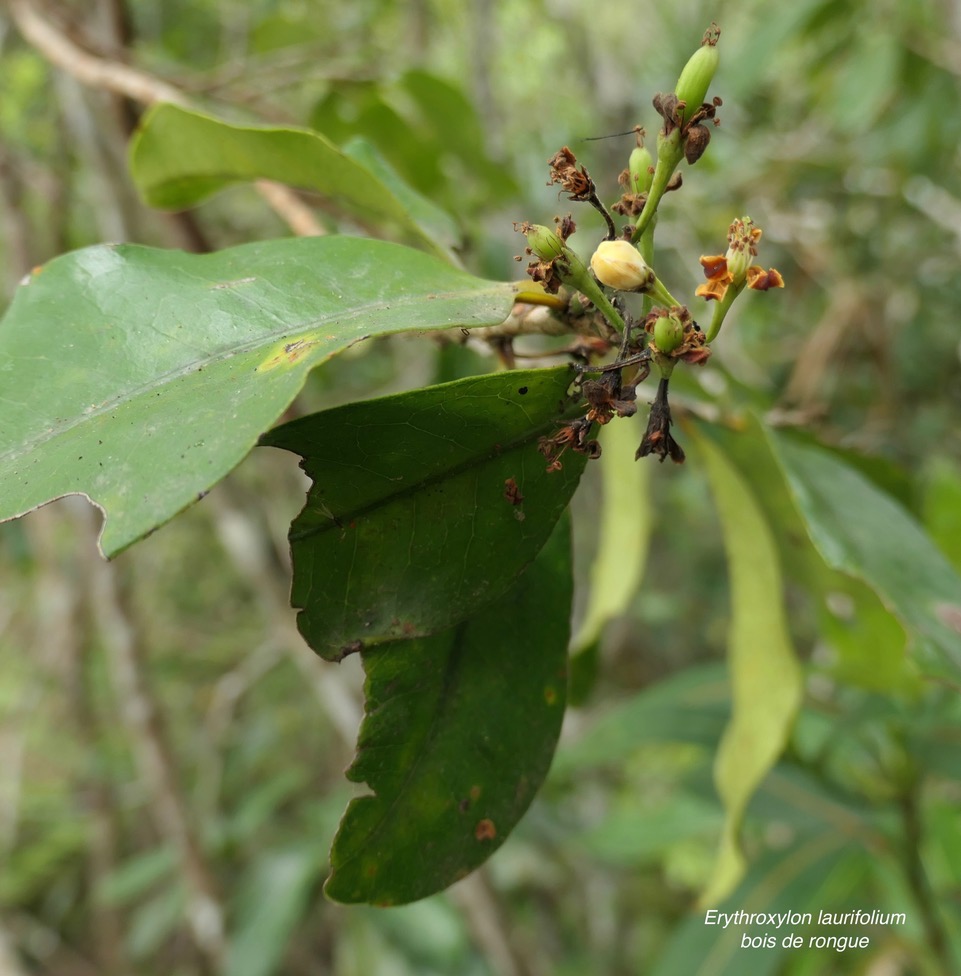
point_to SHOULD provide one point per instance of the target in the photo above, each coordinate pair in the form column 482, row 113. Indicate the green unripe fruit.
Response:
column 639, row 167
column 698, row 73
column 543, row 241
column 668, row 333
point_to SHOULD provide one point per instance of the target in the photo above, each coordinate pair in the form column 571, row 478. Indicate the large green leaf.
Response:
column 766, row 682
column 179, row 157
column 458, row 735
column 691, row 705
column 412, row 520
column 861, row 531
column 868, row 639
column 140, row 377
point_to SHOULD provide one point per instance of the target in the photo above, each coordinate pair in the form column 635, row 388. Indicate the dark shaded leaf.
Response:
column 410, row 524
column 458, row 736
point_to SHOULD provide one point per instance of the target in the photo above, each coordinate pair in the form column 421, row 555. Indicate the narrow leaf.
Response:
column 140, row 377
column 766, row 682
column 424, row 505
column 179, row 157
column 624, row 530
column 458, row 735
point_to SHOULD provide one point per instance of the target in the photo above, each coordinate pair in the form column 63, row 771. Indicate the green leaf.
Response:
column 868, row 640
column 813, row 873
column 437, row 223
column 766, row 680
column 941, row 506
column 272, row 897
column 689, row 706
column 140, row 377
column 861, row 531
column 179, row 157
column 458, row 735
column 408, row 526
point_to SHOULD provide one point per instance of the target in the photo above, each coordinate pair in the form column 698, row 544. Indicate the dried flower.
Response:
column 734, row 268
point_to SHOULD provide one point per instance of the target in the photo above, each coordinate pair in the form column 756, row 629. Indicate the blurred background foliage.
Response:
column 171, row 754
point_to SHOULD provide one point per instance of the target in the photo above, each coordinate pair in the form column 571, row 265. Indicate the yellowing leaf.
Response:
column 765, row 677
column 624, row 530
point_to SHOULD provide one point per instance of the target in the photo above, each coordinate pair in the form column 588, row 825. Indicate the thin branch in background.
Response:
column 123, row 645
column 490, row 928
column 245, row 546
column 18, row 255
column 913, row 839
column 9, row 964
column 61, row 627
column 99, row 72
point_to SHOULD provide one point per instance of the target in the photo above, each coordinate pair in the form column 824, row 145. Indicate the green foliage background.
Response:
column 840, row 137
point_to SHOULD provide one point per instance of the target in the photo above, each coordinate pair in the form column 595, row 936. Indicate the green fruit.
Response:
column 698, row 73
column 639, row 166
column 543, row 241
column 668, row 333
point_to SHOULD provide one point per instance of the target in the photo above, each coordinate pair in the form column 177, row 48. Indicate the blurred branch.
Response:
column 9, row 964
column 97, row 71
column 913, row 836
column 243, row 543
column 488, row 926
column 125, row 653
column 39, row 30
column 17, row 236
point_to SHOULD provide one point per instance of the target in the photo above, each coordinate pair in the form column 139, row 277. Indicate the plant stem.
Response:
column 669, row 153
column 920, row 886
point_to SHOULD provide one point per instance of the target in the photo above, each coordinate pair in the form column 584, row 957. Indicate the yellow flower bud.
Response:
column 619, row 265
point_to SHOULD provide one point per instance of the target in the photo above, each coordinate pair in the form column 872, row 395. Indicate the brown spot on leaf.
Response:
column 949, row 614
column 512, row 493
column 485, row 830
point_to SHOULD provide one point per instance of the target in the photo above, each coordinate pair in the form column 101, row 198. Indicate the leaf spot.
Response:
column 485, row 830
column 949, row 614
column 287, row 354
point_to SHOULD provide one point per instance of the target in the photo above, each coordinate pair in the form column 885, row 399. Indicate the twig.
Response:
column 91, row 69
column 489, row 928
column 9, row 964
column 125, row 652
column 934, row 931
column 100, row 72
column 243, row 543
column 63, row 626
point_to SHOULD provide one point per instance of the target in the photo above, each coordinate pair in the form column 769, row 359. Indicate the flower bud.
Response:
column 543, row 241
column 619, row 265
column 639, row 168
column 695, row 79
